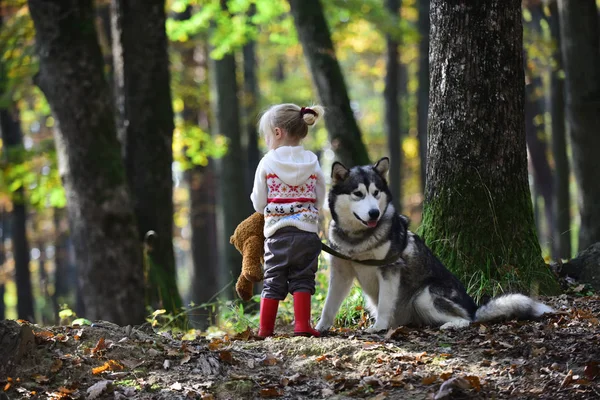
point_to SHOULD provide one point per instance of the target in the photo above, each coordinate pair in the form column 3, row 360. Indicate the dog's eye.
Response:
column 376, row 193
column 357, row 194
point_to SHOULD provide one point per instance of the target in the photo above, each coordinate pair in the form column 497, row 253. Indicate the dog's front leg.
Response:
column 389, row 285
column 341, row 276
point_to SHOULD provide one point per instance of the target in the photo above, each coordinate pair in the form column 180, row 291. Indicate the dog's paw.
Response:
column 376, row 328
column 456, row 324
column 322, row 326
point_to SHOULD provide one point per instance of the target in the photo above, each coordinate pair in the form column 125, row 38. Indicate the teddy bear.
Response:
column 248, row 238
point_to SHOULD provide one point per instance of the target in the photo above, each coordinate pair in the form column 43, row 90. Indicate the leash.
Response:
column 374, row 263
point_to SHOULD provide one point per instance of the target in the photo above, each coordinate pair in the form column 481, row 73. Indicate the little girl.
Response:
column 289, row 189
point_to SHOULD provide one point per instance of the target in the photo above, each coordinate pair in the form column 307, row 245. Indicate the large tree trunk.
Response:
column 107, row 244
column 562, row 199
column 580, row 44
column 145, row 128
column 250, row 102
column 392, row 109
column 423, row 92
column 13, row 140
column 477, row 214
column 231, row 207
column 327, row 76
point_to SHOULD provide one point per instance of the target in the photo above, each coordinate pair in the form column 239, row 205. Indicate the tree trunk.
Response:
column 13, row 140
column 580, row 44
column 15, row 341
column 103, row 227
column 250, row 101
column 145, row 128
column 477, row 213
column 327, row 76
column 392, row 110
column 231, row 207
column 423, row 93
column 562, row 199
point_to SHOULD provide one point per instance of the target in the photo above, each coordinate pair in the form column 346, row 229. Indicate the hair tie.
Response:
column 306, row 110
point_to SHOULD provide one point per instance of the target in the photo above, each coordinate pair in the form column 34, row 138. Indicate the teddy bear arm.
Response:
column 253, row 252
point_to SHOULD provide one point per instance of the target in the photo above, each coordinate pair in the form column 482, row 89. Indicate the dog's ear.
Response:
column 382, row 167
column 338, row 172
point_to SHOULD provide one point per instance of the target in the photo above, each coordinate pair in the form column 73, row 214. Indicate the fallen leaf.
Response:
column 40, row 378
column 166, row 364
column 591, row 370
column 243, row 335
column 100, row 369
column 176, row 386
column 56, row 365
column 97, row 389
column 447, row 387
column 185, row 359
column 483, row 328
column 394, row 333
column 269, row 360
column 115, row 365
column 445, row 376
column 419, row 357
column 66, row 390
column 568, row 379
column 7, row 386
column 132, row 364
column 77, row 334
column 207, row 396
column 43, row 336
column 397, row 380
column 428, row 380
column 226, row 356
column 321, row 358
column 474, row 381
column 100, row 346
column 270, row 392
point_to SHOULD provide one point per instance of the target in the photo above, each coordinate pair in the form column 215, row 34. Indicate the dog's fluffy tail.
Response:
column 511, row 306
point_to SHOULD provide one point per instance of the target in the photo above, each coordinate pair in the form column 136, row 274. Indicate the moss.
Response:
column 490, row 244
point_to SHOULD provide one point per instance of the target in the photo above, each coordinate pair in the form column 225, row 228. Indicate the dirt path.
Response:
column 555, row 358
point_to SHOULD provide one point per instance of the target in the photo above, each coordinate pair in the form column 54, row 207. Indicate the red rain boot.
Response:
column 302, row 315
column 268, row 313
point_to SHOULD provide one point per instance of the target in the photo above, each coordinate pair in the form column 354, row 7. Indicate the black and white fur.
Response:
column 416, row 290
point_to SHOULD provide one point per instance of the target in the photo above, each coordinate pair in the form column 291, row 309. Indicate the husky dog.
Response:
column 415, row 288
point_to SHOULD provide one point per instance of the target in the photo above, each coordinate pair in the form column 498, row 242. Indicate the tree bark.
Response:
column 562, row 199
column 327, row 76
column 145, row 128
column 250, row 102
column 231, row 207
column 477, row 213
column 15, row 341
column 13, row 140
column 107, row 244
column 423, row 92
column 393, row 129
column 580, row 44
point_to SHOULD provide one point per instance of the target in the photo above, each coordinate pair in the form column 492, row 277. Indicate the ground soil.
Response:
column 555, row 358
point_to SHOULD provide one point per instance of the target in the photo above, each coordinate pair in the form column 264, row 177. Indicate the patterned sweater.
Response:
column 289, row 189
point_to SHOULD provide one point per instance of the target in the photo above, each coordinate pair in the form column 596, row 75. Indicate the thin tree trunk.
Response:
column 327, row 76
column 562, row 203
column 2, row 261
column 392, row 109
column 250, row 101
column 13, row 140
column 477, row 214
column 423, row 92
column 145, row 128
column 107, row 244
column 231, row 207
column 580, row 44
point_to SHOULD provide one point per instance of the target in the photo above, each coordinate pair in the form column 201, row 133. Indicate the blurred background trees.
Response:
column 156, row 131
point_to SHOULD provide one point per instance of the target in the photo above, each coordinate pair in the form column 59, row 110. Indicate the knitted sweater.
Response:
column 289, row 189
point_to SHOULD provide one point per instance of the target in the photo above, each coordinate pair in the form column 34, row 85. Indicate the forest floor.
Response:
column 555, row 358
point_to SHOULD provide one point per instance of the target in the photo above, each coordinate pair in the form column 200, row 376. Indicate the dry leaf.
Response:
column 448, row 386
column 132, row 364
column 428, row 380
column 321, row 358
column 400, row 331
column 100, row 369
column 269, row 360
column 176, row 386
column 243, row 335
column 56, row 365
column 77, row 334
column 66, row 390
column 474, row 381
column 96, row 389
column 445, row 376
column 115, row 365
column 43, row 336
column 226, row 356
column 207, row 396
column 185, row 359
column 270, row 392
column 397, row 381
column 7, row 386
column 568, row 379
column 40, row 378
column 419, row 357
column 591, row 370
column 100, row 346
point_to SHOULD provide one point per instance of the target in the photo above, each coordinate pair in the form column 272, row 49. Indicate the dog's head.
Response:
column 359, row 196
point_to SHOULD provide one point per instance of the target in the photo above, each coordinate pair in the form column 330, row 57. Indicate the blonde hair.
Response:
column 293, row 119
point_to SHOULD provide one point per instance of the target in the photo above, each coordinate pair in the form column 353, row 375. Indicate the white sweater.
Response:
column 289, row 189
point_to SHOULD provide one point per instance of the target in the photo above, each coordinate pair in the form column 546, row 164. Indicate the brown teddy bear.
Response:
column 249, row 239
